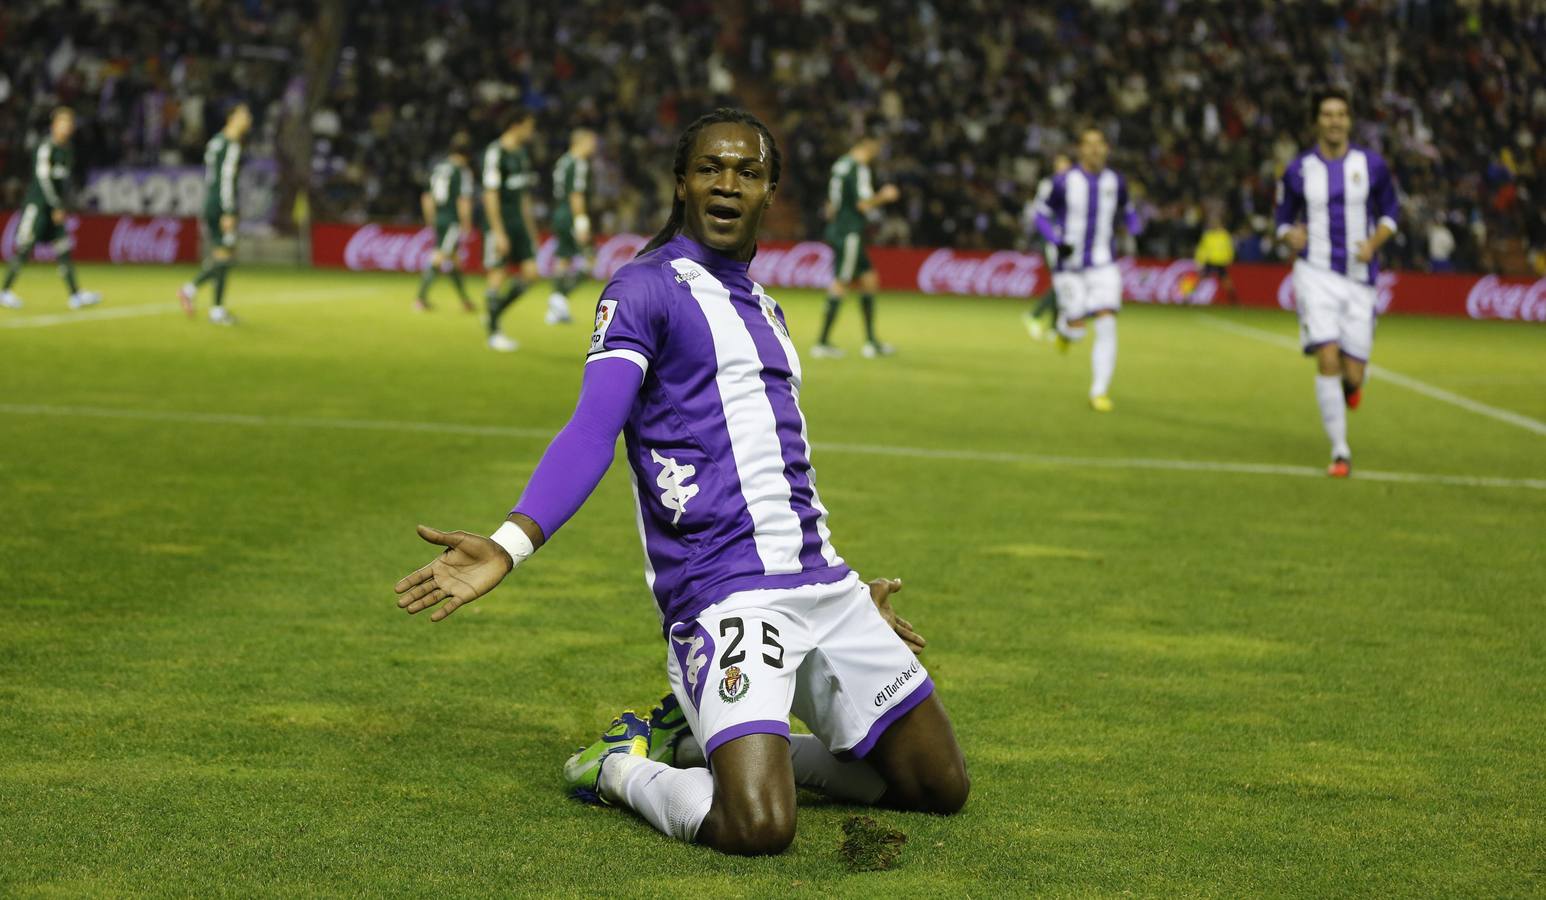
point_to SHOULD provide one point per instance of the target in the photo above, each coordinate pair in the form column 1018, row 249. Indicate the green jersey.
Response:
column 50, row 184
column 222, row 160
column 449, row 182
column 511, row 174
column 848, row 185
column 570, row 176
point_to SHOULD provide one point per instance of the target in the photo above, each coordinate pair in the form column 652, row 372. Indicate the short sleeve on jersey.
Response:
column 629, row 318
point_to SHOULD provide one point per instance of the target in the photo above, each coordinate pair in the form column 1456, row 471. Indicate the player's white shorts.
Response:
column 1333, row 309
column 1084, row 293
column 821, row 651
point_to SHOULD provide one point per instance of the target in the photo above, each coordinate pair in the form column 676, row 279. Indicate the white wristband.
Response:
column 516, row 543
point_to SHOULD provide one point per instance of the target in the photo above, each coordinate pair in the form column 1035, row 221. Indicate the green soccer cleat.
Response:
column 582, row 773
column 668, row 725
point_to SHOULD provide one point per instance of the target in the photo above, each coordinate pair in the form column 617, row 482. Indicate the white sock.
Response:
column 1071, row 332
column 1103, row 355
column 1328, row 394
column 675, row 801
column 814, row 767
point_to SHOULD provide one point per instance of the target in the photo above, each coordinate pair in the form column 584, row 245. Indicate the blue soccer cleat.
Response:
column 628, row 734
column 668, row 725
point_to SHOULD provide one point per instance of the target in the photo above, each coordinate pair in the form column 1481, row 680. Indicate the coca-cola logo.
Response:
column 373, row 247
column 807, row 264
column 1175, row 282
column 1384, row 292
column 1002, row 274
column 1493, row 298
column 615, row 252
column 151, row 241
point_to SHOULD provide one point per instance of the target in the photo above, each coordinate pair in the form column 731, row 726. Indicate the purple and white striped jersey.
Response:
column 1342, row 202
column 716, row 441
column 1081, row 211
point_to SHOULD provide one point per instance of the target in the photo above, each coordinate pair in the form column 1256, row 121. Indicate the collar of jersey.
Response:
column 710, row 259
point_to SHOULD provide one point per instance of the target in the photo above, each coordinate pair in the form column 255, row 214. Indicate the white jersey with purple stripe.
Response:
column 1081, row 211
column 716, row 441
column 1341, row 202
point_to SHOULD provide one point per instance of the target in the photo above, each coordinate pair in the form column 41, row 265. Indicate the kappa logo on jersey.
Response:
column 672, row 481
column 695, row 659
column 689, row 275
column 606, row 311
column 734, row 685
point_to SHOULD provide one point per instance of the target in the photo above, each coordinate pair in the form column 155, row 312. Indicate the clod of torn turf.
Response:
column 869, row 846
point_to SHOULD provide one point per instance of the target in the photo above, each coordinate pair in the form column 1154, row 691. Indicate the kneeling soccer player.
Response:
column 692, row 362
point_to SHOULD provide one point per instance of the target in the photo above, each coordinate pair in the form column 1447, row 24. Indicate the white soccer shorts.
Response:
column 822, row 652
column 1333, row 309
column 1084, row 293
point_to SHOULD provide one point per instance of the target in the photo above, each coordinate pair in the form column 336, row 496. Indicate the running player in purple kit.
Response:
column 1336, row 207
column 692, row 362
column 1078, row 218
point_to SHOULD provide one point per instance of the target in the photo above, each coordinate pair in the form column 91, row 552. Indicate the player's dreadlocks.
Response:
column 684, row 144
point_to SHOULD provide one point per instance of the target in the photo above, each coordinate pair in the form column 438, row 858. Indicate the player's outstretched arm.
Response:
column 881, row 590
column 470, row 566
column 570, row 469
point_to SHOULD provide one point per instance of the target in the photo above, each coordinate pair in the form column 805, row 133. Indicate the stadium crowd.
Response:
column 1205, row 101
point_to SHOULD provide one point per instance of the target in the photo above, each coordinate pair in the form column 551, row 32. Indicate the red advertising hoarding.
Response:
column 117, row 239
column 1004, row 273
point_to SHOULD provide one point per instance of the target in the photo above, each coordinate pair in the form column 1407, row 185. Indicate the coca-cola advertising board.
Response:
column 117, row 239
column 1005, row 273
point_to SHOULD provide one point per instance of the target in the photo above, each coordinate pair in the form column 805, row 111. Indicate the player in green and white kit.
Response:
column 850, row 200
column 571, row 219
column 508, row 176
column 222, row 166
column 448, row 210
column 43, row 215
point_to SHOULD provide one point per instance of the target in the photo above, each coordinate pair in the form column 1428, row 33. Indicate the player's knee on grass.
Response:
column 754, row 797
column 922, row 763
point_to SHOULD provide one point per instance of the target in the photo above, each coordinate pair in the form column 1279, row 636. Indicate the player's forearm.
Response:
column 1381, row 234
column 496, row 218
column 582, row 451
column 577, row 204
column 427, row 206
column 464, row 213
column 1048, row 229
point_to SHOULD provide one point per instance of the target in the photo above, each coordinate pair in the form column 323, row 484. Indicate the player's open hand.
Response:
column 1364, row 251
column 501, row 244
column 471, row 566
column 1296, row 238
column 881, row 590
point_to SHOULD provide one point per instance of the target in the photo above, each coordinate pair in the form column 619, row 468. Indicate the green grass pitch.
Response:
column 1169, row 678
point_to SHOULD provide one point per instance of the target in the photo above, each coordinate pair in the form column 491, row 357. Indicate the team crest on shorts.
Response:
column 734, row 685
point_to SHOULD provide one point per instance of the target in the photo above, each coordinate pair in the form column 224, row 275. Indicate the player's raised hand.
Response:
column 470, row 566
column 881, row 590
column 1296, row 238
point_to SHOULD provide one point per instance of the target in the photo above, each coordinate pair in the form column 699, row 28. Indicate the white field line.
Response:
column 1032, row 459
column 106, row 311
column 1412, row 384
